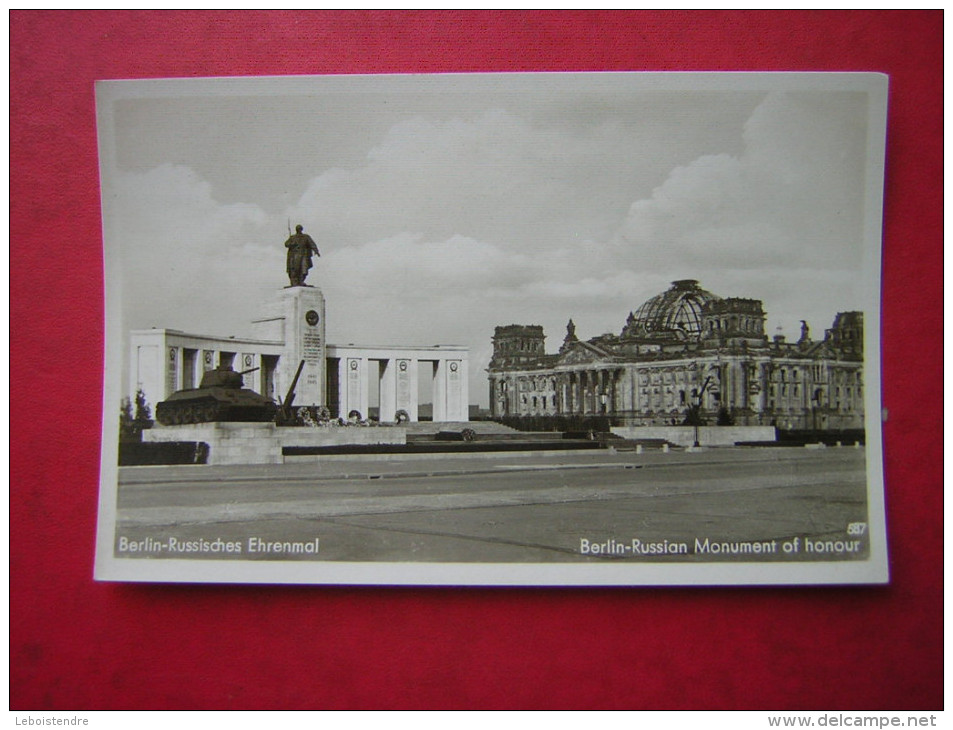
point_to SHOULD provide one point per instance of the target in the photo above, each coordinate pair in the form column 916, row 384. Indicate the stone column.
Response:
column 616, row 401
column 593, row 401
column 440, row 391
column 762, row 378
column 365, row 392
column 734, row 384
column 388, row 389
column 606, row 386
column 625, row 390
column 636, row 386
column 353, row 386
column 457, row 409
column 343, row 387
column 405, row 386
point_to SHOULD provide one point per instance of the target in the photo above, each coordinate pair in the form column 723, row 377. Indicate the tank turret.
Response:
column 224, row 377
column 221, row 396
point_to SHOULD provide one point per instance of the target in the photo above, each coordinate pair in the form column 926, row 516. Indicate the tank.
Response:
column 220, row 397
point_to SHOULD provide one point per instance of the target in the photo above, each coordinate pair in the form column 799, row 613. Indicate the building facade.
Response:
column 290, row 333
column 684, row 355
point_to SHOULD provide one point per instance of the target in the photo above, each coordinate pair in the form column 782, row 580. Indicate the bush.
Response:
column 725, row 417
column 132, row 425
column 693, row 417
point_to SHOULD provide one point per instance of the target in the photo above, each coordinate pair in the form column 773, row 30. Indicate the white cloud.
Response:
column 186, row 258
column 495, row 177
column 414, row 266
column 781, row 221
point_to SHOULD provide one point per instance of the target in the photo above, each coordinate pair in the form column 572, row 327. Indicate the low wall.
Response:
column 707, row 435
column 261, row 443
column 342, row 436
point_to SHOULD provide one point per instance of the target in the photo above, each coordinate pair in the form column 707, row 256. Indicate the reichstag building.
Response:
column 686, row 354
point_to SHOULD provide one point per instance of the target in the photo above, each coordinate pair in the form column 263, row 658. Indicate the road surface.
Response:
column 720, row 504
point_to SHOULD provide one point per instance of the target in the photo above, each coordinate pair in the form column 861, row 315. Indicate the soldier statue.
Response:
column 300, row 247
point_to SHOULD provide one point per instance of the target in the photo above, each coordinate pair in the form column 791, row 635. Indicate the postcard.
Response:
column 493, row 329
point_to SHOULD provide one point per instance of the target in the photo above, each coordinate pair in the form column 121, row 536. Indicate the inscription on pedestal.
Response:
column 311, row 347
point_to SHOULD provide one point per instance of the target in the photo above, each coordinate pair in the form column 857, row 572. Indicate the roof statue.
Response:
column 570, row 336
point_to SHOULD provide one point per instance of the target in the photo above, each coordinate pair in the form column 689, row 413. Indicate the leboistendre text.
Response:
column 52, row 720
column 172, row 546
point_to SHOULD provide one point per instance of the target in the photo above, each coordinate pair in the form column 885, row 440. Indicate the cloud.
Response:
column 781, row 221
column 187, row 258
column 792, row 197
column 494, row 177
column 415, row 266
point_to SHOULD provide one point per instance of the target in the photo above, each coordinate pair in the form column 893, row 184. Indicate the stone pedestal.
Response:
column 229, row 443
column 261, row 443
column 296, row 317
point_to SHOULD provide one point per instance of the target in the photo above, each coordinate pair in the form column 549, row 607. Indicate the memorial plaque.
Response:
column 403, row 384
column 454, row 388
column 172, row 371
column 354, row 382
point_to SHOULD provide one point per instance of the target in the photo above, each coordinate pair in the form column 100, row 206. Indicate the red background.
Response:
column 76, row 644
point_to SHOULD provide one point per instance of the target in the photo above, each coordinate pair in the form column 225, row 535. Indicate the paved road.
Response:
column 530, row 508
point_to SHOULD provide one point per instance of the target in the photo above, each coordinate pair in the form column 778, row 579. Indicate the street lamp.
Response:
column 696, row 414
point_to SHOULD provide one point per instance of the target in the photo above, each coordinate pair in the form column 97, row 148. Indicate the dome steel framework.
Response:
column 678, row 309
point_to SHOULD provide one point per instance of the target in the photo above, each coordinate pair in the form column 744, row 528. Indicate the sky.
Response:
column 445, row 206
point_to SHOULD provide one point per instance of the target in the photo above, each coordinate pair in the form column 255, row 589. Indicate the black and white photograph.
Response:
column 493, row 329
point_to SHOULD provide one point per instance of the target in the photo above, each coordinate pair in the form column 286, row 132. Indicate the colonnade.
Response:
column 593, row 392
column 579, row 391
column 394, row 373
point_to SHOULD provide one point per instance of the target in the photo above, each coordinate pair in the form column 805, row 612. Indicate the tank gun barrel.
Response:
column 290, row 397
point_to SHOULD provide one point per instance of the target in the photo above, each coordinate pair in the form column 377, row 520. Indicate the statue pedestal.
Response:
column 296, row 317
